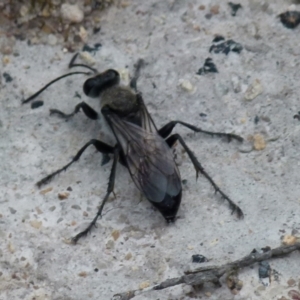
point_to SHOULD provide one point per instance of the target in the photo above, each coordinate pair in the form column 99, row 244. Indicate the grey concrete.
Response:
column 36, row 260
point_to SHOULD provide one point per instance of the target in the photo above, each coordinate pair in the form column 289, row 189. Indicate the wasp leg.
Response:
column 100, row 146
column 171, row 141
column 89, row 112
column 110, row 189
column 166, row 130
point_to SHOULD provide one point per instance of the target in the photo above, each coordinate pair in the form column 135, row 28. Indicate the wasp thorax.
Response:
column 121, row 99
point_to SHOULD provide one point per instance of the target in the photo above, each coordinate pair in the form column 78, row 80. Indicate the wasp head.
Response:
column 94, row 86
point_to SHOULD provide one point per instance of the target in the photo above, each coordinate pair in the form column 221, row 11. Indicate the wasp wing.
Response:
column 149, row 158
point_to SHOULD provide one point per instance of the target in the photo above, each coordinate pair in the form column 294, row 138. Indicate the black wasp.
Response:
column 140, row 146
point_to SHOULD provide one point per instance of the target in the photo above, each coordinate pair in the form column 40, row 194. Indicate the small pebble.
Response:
column 208, row 67
column 186, row 85
column 63, row 195
column 265, row 118
column 47, row 29
column 124, row 74
column 289, row 240
column 7, row 45
column 7, row 77
column 233, row 283
column 46, row 13
column 52, row 208
column 11, row 247
column 38, row 210
column 144, row 285
column 253, row 90
column 259, row 142
column 12, row 210
column 36, row 224
column 5, row 60
column 124, row 4
column 91, row 49
column 264, row 269
column 215, row 9
column 294, row 295
column 291, row 282
column 75, row 206
column 110, row 244
column 71, row 13
column 36, row 104
column 234, row 8
column 82, row 274
column 115, row 234
column 45, row 191
column 6, row 50
column 221, row 46
column 290, row 19
column 128, row 256
column 87, row 58
column 83, row 34
column 196, row 27
column 96, row 29
column 52, row 40
column 198, row 258
column 24, row 10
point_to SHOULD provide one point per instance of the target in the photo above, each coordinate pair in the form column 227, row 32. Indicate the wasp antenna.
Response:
column 72, row 64
column 50, row 83
column 73, row 60
column 140, row 63
column 137, row 69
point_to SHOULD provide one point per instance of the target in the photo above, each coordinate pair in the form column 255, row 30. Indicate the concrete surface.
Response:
column 36, row 262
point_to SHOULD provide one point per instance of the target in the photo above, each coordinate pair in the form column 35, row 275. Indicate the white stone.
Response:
column 71, row 13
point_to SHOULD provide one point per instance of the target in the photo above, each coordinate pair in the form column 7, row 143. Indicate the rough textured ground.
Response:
column 174, row 37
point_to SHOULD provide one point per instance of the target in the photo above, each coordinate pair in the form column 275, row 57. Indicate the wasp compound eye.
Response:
column 93, row 87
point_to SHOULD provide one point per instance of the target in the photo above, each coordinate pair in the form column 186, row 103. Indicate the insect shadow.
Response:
column 142, row 148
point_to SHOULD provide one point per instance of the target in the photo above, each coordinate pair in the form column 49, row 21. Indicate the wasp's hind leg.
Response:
column 166, row 130
column 176, row 137
column 100, row 146
column 110, row 189
column 89, row 112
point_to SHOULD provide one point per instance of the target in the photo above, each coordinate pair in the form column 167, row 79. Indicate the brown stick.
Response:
column 212, row 273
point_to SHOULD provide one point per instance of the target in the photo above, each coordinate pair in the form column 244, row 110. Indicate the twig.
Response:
column 212, row 273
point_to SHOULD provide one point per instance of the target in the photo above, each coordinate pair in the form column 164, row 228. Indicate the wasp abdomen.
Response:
column 169, row 206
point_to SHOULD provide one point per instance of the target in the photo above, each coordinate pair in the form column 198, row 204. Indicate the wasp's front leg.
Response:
column 89, row 111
